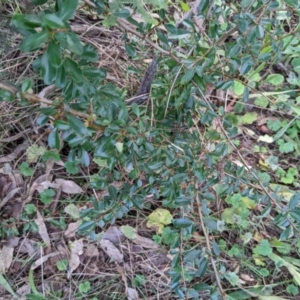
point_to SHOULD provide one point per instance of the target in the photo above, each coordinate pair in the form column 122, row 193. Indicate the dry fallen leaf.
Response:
column 43, row 232
column 76, row 249
column 114, row 234
column 91, row 251
column 111, row 250
column 72, row 229
column 28, row 246
column 145, row 242
column 246, row 277
column 6, row 256
column 68, row 186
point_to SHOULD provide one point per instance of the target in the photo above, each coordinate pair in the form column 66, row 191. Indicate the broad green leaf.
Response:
column 67, row 9
column 26, row 21
column 263, row 248
column 102, row 163
column 184, row 6
column 34, row 41
column 61, row 77
column 25, row 170
column 54, row 54
column 73, row 69
column 62, row 265
column 128, row 231
column 249, row 203
column 72, row 210
column 275, row 79
column 235, row 50
column 89, row 53
column 261, row 101
column 47, row 70
column 238, row 88
column 61, row 125
column 85, row 226
column 74, row 43
column 245, row 3
column 245, row 68
column 296, row 109
column 92, row 72
column 232, row 278
column 26, row 85
column 182, row 223
column 119, row 147
column 70, row 41
column 53, row 139
column 188, row 76
column 228, row 215
column 53, row 21
column 248, row 118
column 158, row 219
column 123, row 13
column 33, row 152
column 163, row 38
column 130, row 50
column 78, row 126
column 170, row 28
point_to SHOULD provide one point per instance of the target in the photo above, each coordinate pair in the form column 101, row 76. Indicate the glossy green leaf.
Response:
column 70, row 41
column 86, row 226
column 135, row 109
column 93, row 72
column 26, row 21
column 112, row 192
column 54, row 54
column 61, row 77
column 89, row 53
column 34, row 41
column 85, row 158
column 26, row 85
column 73, row 69
column 67, row 9
column 53, row 21
column 202, row 267
column 53, row 139
column 78, row 126
column 182, row 223
column 188, row 76
column 235, row 50
column 163, row 38
column 48, row 72
column 123, row 13
column 275, row 79
column 130, row 50
column 182, row 200
column 74, row 43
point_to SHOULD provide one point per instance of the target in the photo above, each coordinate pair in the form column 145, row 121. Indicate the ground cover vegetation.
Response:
column 149, row 149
